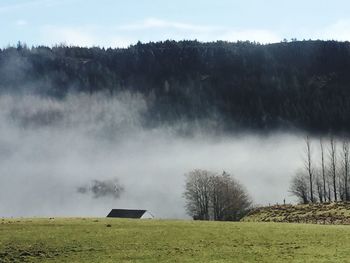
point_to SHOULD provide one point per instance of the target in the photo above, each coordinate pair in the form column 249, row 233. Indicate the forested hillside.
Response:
column 299, row 84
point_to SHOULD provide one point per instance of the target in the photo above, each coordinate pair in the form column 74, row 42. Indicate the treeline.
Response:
column 212, row 196
column 325, row 174
column 301, row 84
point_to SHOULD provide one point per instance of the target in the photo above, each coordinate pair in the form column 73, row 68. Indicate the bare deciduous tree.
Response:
column 345, row 162
column 333, row 165
column 239, row 201
column 319, row 186
column 323, row 172
column 222, row 197
column 197, row 193
column 299, row 187
column 219, row 196
column 309, row 168
column 229, row 198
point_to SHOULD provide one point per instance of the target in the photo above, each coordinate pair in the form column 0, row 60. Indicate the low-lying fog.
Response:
column 53, row 152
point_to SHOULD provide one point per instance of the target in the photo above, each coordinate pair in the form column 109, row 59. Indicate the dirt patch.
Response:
column 14, row 253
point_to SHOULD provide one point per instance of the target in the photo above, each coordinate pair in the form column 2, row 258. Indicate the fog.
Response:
column 49, row 149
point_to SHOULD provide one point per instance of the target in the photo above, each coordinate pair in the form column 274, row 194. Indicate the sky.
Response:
column 121, row 23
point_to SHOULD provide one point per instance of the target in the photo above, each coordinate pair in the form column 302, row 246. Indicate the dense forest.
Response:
column 297, row 84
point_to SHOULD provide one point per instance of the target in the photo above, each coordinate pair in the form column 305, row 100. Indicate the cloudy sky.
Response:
column 121, row 23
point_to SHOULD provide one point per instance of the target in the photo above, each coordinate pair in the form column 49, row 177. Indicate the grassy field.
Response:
column 319, row 213
column 115, row 240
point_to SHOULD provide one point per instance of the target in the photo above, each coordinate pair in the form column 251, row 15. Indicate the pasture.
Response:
column 120, row 240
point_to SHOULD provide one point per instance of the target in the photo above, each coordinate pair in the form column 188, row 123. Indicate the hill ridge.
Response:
column 334, row 213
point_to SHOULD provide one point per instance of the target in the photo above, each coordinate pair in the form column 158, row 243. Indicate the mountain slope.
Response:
column 301, row 84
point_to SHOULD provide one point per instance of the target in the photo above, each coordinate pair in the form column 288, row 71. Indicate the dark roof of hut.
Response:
column 126, row 213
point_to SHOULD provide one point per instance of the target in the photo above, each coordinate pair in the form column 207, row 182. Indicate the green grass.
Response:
column 91, row 240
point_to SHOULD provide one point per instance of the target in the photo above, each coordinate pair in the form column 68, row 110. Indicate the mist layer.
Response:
column 51, row 147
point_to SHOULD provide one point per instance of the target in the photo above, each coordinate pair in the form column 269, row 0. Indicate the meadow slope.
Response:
column 318, row 213
column 115, row 240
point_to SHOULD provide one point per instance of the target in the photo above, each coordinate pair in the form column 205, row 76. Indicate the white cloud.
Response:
column 21, row 22
column 13, row 6
column 258, row 35
column 82, row 36
column 179, row 30
column 154, row 23
column 68, row 35
column 119, row 41
column 151, row 29
column 337, row 31
column 154, row 29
